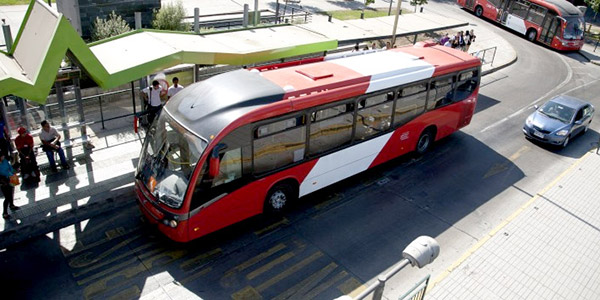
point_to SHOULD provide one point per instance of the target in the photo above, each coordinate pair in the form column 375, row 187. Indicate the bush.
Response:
column 170, row 17
column 113, row 25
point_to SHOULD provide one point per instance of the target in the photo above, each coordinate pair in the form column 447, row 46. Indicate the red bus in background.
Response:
column 250, row 141
column 556, row 23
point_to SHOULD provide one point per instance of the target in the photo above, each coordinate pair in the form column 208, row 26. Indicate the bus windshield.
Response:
column 574, row 28
column 168, row 159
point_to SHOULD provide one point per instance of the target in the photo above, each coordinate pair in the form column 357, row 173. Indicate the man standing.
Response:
column 175, row 88
column 51, row 143
column 152, row 97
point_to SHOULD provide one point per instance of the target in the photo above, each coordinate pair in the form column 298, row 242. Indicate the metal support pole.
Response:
column 7, row 36
column 23, row 109
column 61, row 106
column 378, row 293
column 245, row 20
column 277, row 13
column 133, row 96
column 255, row 12
column 415, row 40
column 197, row 20
column 138, row 19
column 196, row 72
column 79, row 100
column 398, row 10
column 101, row 113
column 329, row 18
column 390, row 9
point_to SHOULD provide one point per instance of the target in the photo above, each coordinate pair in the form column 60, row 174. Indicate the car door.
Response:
column 579, row 121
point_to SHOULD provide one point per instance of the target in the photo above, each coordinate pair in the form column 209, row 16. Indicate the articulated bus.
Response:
column 250, row 141
column 556, row 23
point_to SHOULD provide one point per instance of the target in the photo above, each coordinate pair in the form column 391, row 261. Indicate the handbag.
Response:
column 14, row 180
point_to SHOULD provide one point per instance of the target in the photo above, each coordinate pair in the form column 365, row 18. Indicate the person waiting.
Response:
column 24, row 145
column 152, row 97
column 50, row 144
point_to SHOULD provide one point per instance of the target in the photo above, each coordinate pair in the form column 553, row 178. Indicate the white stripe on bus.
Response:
column 343, row 164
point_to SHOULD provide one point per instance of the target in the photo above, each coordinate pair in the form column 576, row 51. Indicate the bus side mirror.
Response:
column 214, row 163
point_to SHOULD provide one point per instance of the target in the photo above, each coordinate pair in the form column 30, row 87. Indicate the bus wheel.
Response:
column 424, row 142
column 531, row 35
column 278, row 197
column 478, row 11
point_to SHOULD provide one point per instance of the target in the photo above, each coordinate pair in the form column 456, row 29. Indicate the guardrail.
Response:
column 418, row 291
column 484, row 54
column 235, row 19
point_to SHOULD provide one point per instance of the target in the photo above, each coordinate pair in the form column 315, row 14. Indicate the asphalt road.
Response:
column 334, row 241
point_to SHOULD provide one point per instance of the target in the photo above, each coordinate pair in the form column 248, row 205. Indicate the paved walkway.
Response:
column 548, row 249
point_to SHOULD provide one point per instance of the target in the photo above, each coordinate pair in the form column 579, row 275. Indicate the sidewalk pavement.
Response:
column 545, row 250
column 591, row 52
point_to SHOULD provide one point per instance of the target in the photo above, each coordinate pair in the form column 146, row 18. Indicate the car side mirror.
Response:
column 578, row 122
column 535, row 107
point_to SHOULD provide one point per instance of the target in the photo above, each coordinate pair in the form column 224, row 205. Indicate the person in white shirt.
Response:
column 152, row 97
column 51, row 143
column 174, row 89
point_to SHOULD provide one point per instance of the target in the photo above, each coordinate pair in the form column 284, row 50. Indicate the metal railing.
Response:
column 418, row 291
column 591, row 37
column 232, row 20
column 484, row 55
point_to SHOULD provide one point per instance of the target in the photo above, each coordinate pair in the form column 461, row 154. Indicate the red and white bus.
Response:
column 556, row 23
column 250, row 141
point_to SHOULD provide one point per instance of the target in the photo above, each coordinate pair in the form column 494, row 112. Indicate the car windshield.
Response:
column 557, row 111
column 573, row 28
column 168, row 159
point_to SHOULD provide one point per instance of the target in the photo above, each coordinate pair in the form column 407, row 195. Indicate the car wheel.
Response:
column 278, row 198
column 478, row 11
column 424, row 142
column 565, row 142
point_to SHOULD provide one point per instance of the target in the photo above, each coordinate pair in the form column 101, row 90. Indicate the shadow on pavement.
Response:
column 324, row 246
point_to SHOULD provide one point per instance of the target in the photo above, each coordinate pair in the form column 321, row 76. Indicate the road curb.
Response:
column 24, row 232
column 490, row 71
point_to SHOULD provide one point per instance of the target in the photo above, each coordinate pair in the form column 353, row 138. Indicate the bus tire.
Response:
column 278, row 198
column 425, row 140
column 478, row 11
column 531, row 35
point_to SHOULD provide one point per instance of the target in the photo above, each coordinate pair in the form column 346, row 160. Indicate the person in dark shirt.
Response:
column 29, row 166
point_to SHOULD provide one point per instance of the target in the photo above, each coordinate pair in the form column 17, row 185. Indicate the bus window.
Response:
column 441, row 92
column 519, row 8
column 467, row 83
column 536, row 14
column 279, row 144
column 374, row 115
column 410, row 103
column 230, row 167
column 330, row 128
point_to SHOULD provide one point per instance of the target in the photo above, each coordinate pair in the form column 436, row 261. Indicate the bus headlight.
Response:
column 171, row 223
column 562, row 132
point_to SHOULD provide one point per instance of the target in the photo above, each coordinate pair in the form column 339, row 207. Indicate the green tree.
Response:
column 416, row 3
column 105, row 28
column 594, row 5
column 367, row 2
column 170, row 17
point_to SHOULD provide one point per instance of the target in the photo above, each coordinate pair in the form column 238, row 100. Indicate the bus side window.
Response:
column 467, row 83
column 411, row 103
column 283, row 145
column 332, row 129
column 374, row 115
column 441, row 91
column 230, row 167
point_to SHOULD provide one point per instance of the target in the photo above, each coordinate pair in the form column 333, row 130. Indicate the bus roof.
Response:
column 565, row 8
column 207, row 107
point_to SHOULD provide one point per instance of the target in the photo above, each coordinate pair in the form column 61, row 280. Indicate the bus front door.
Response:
column 549, row 29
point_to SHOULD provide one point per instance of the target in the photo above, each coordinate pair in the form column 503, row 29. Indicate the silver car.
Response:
column 559, row 120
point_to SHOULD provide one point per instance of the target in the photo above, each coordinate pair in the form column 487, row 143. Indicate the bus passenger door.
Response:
column 549, row 29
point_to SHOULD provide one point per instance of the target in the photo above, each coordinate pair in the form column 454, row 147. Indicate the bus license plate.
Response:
column 538, row 134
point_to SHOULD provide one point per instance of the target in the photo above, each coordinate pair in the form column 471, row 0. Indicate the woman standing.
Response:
column 8, row 190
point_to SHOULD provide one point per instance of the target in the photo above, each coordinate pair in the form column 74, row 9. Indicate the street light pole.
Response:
column 396, row 22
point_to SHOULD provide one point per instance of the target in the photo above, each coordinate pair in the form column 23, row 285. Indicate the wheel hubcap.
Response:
column 278, row 199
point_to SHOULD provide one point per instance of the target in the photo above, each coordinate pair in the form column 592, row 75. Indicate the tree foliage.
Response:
column 418, row 2
column 594, row 5
column 170, row 17
column 111, row 26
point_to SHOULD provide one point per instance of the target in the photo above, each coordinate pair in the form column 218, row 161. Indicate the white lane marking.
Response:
column 569, row 76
